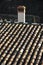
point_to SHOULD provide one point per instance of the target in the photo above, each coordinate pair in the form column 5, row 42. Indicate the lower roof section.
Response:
column 21, row 44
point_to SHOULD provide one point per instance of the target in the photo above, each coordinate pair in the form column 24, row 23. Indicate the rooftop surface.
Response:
column 21, row 44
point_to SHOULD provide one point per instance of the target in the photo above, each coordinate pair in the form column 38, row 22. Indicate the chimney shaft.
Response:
column 21, row 14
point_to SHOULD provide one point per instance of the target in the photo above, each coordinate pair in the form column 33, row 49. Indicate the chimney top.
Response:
column 21, row 8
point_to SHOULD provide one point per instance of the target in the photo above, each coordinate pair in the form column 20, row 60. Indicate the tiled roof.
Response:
column 21, row 44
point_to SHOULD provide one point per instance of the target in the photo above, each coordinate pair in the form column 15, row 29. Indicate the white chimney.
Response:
column 21, row 13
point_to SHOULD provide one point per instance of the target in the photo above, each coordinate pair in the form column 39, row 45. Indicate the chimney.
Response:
column 21, row 13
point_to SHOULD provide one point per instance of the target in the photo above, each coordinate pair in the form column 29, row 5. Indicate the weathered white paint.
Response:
column 21, row 17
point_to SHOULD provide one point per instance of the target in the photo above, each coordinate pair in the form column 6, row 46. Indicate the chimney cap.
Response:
column 21, row 7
